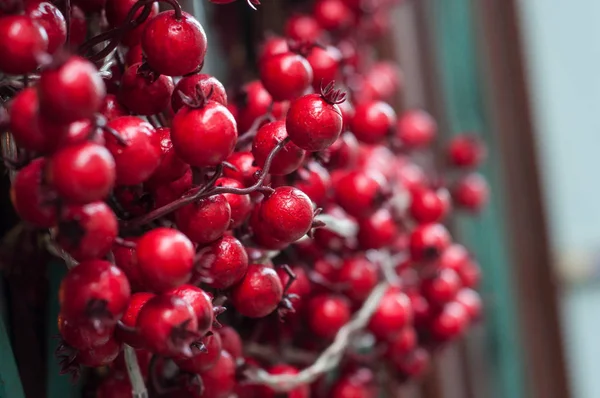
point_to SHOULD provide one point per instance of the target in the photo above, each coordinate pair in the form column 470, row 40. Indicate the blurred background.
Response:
column 522, row 75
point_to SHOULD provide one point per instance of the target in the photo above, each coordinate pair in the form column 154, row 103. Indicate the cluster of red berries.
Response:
column 173, row 203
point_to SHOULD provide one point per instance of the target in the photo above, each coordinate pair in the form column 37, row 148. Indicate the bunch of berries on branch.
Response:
column 240, row 242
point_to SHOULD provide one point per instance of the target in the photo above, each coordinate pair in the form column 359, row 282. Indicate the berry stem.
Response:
column 249, row 135
column 176, row 7
column 135, row 375
column 292, row 278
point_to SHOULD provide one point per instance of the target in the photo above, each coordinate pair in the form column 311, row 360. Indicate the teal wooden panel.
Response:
column 10, row 383
column 485, row 235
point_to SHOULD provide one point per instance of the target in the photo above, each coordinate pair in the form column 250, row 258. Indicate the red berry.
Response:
column 113, row 387
column 314, row 181
column 325, row 64
column 78, row 27
column 303, row 28
column 129, row 319
column 273, row 46
column 442, row 287
column 165, row 194
column 421, row 309
column 377, row 230
column 241, row 205
column 220, row 380
column 343, row 153
column 204, row 136
column 415, row 363
column 81, row 335
column 259, row 292
column 314, row 122
column 327, row 314
column 111, row 108
column 171, row 166
column 429, row 205
column 416, row 128
column 255, row 101
column 167, row 326
column 245, row 168
column 359, row 276
column 288, row 159
column 82, row 173
column 333, row 15
column 125, row 259
column 165, row 259
column 144, row 92
column 94, row 290
column 30, row 196
column 358, row 193
column 471, row 300
column 300, row 287
column 402, row 343
column 451, row 322
column 231, row 341
column 286, row 76
column 471, row 192
column 100, row 355
column 116, row 15
column 356, row 385
column 466, row 151
column 428, row 241
column 302, row 391
column 393, row 313
column 174, row 46
column 71, row 91
column 205, row 358
column 373, row 121
column 87, row 232
column 208, row 85
column 139, row 156
column 22, row 41
column 223, row 263
column 201, row 303
column 51, row 19
column 206, row 220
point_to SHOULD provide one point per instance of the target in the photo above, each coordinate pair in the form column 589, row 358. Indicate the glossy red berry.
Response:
column 471, row 300
column 471, row 192
column 402, row 343
column 377, row 230
column 82, row 173
column 428, row 205
column 208, row 85
column 254, row 101
column 32, row 197
column 325, row 63
column 442, row 287
column 129, row 319
column 144, row 92
column 272, row 46
column 327, row 314
column 358, row 276
column 71, row 91
column 51, row 19
column 415, row 363
column 428, row 241
column 450, row 322
column 173, row 45
column 373, row 121
column 384, row 79
column 220, row 380
column 241, row 205
column 204, row 136
column 359, row 384
column 167, row 326
column 416, row 128
column 314, row 121
column 82, row 335
column 94, row 290
column 288, row 159
column 223, row 263
column 165, row 259
column 314, row 181
column 22, row 42
column 116, row 15
column 125, row 259
column 205, row 358
column 466, row 151
column 206, row 220
column 100, row 355
column 302, row 391
column 287, row 213
column 393, row 313
column 171, row 167
column 333, row 15
column 231, row 341
column 87, row 232
column 286, row 76
column 201, row 303
column 245, row 168
column 258, row 293
column 139, row 155
column 343, row 153
column 303, row 28
column 358, row 193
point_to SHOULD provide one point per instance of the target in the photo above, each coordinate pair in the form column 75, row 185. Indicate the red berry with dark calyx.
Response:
column 451, row 322
column 373, row 121
column 258, row 293
column 442, row 287
column 325, row 63
column 302, row 28
column 206, row 220
column 414, row 364
column 245, row 168
column 201, row 303
column 302, row 391
column 471, row 192
column 377, row 230
column 31, row 196
column 143, row 91
column 416, row 128
column 116, row 15
column 208, row 85
column 203, row 358
column 100, row 355
column 71, row 91
column 428, row 205
column 129, row 319
column 171, row 166
column 402, row 343
column 87, row 232
column 22, row 42
column 138, row 155
column 314, row 121
column 223, row 263
column 167, row 326
column 428, row 241
column 231, row 341
column 359, row 276
column 358, row 193
column 220, row 380
column 204, row 134
column 174, row 44
column 165, row 259
column 327, row 314
column 287, row 160
column 393, row 313
column 333, row 15
column 80, row 334
column 286, row 76
column 466, row 151
column 82, row 173
column 472, row 302
column 95, row 291
column 241, row 205
column 51, row 19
